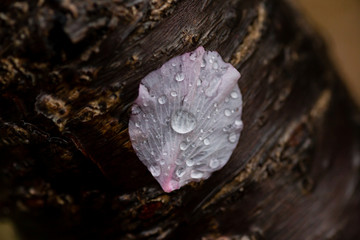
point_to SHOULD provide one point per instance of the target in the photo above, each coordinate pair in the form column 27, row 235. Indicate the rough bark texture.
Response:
column 70, row 70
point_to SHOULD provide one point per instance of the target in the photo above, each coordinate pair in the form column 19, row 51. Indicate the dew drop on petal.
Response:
column 180, row 172
column 162, row 99
column 232, row 137
column 193, row 57
column 179, row 77
column 155, row 170
column 206, row 141
column 214, row 163
column 189, row 162
column 135, row 109
column 215, row 65
column 196, row 174
column 183, row 146
column 227, row 112
column 183, row 122
column 234, row 95
column 173, row 94
column 238, row 123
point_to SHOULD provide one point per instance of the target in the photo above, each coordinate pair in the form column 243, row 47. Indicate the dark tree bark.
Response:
column 70, row 70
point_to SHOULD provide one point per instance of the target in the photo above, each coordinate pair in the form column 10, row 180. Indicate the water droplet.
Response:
column 183, row 122
column 214, row 163
column 178, row 162
column 211, row 90
column 188, row 139
column 183, row 146
column 179, row 77
column 180, row 172
column 193, row 57
column 206, row 141
column 202, row 130
column 137, row 125
column 173, row 64
column 234, row 95
column 173, row 94
column 162, row 161
column 189, row 162
column 196, row 174
column 152, row 153
column 165, row 153
column 215, row 65
column 215, row 105
column 227, row 112
column 211, row 60
column 238, row 123
column 198, row 83
column 162, row 99
column 135, row 109
column 155, row 170
column 232, row 137
column 203, row 64
column 146, row 104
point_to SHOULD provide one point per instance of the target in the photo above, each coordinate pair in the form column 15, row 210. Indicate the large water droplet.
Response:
column 179, row 77
column 155, row 170
column 203, row 64
column 196, row 174
column 173, row 94
column 183, row 146
column 162, row 99
column 227, row 112
column 189, row 162
column 206, row 141
column 180, row 172
column 234, row 95
column 232, row 137
column 183, row 122
column 214, row 163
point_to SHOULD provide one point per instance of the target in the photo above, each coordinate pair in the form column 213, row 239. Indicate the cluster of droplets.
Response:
column 186, row 126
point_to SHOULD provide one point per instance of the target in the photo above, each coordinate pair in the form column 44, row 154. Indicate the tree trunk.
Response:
column 70, row 70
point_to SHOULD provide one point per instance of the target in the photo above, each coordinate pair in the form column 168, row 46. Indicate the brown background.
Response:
column 339, row 23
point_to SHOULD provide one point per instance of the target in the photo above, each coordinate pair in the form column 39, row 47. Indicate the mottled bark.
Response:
column 70, row 70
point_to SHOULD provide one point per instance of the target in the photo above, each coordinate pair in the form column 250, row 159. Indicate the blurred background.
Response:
column 339, row 23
